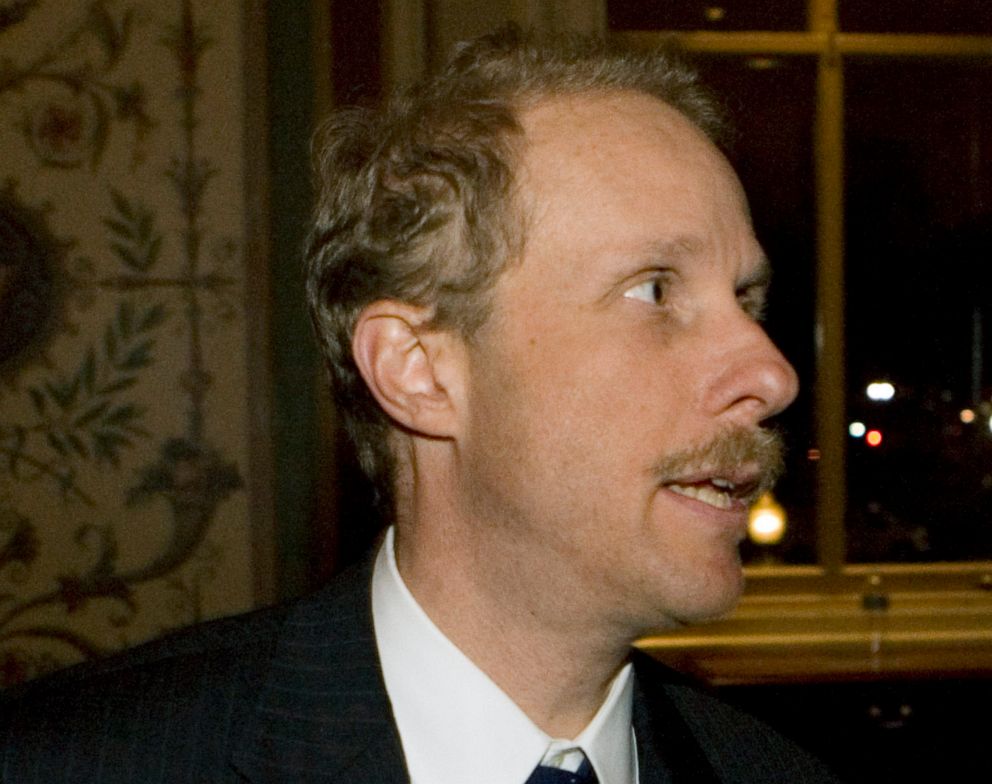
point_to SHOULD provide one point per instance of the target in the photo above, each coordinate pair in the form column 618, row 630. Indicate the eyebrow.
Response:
column 760, row 276
column 686, row 246
column 674, row 249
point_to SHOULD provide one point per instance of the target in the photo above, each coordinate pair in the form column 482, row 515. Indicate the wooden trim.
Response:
column 831, row 477
column 731, row 43
column 816, row 43
column 881, row 620
column 894, row 45
column 261, row 497
column 405, row 42
column 580, row 16
column 290, row 346
column 822, row 638
column 325, row 522
column 322, row 57
column 888, row 578
column 823, row 15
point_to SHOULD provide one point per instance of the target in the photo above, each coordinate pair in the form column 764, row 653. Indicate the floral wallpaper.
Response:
column 124, row 409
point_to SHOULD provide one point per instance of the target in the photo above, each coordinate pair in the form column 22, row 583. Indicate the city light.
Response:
column 880, row 391
column 762, row 63
column 857, row 429
column 766, row 523
column 967, row 416
column 873, row 437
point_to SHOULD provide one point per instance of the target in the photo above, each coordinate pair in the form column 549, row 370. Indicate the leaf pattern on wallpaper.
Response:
column 136, row 241
column 85, row 415
column 69, row 123
column 89, row 415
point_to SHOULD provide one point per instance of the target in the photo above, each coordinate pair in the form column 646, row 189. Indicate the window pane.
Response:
column 771, row 103
column 972, row 17
column 919, row 291
column 715, row 15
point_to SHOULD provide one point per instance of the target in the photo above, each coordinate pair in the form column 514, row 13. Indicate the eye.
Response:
column 651, row 291
column 752, row 300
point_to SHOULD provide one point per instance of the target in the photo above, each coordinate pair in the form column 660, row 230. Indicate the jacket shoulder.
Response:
column 740, row 748
column 180, row 698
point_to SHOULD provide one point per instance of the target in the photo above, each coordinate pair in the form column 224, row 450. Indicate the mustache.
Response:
column 760, row 450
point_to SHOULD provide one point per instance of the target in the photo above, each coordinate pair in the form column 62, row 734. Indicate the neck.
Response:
column 554, row 659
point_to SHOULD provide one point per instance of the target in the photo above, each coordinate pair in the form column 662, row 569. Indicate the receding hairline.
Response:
column 527, row 111
column 539, row 119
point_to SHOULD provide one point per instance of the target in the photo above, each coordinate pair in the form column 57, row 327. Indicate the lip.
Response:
column 741, row 475
column 733, row 518
column 746, row 483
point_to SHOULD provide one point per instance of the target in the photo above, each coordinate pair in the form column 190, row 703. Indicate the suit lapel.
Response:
column 666, row 749
column 323, row 714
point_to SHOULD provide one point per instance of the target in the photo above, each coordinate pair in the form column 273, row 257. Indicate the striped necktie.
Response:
column 545, row 774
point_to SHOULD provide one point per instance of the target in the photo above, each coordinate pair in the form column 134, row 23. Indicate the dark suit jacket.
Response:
column 295, row 694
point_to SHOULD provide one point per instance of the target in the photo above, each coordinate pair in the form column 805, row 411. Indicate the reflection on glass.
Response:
column 916, row 16
column 771, row 110
column 767, row 522
column 919, row 303
column 712, row 15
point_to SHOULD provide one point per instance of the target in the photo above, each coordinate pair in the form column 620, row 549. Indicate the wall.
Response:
column 132, row 393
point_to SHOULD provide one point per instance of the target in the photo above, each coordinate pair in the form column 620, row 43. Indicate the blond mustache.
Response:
column 726, row 454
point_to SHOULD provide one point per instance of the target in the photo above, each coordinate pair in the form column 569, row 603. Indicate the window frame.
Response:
column 836, row 620
column 831, row 620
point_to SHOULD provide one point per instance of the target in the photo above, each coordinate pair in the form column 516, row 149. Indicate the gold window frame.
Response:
column 835, row 620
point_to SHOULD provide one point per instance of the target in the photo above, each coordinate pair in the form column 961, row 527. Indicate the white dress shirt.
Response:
column 456, row 725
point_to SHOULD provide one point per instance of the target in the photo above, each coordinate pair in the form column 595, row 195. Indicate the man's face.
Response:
column 622, row 344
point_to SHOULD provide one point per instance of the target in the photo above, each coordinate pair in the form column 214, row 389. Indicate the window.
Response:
column 918, row 238
column 865, row 146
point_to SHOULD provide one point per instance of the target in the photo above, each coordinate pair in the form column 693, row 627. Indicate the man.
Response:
column 538, row 291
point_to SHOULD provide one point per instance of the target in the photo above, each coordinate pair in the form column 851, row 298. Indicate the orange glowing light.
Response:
column 873, row 437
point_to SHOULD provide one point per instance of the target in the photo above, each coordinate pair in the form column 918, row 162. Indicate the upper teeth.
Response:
column 724, row 484
column 706, row 494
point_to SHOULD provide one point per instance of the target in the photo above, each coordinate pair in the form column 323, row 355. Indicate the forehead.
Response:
column 629, row 164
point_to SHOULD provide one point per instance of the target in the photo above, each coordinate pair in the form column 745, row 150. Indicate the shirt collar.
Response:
column 455, row 723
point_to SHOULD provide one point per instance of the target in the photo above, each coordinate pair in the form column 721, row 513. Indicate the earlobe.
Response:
column 400, row 359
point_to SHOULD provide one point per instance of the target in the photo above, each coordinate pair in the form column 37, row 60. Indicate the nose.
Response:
column 752, row 379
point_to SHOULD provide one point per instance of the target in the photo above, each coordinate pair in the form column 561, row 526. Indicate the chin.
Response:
column 698, row 616
column 715, row 599
column 705, row 605
column 716, row 611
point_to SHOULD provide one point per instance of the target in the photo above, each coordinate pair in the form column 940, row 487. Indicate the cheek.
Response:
column 602, row 397
column 625, row 403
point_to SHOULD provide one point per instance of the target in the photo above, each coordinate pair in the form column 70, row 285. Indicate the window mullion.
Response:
column 830, row 381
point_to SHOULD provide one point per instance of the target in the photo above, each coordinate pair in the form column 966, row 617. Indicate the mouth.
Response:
column 728, row 473
column 719, row 492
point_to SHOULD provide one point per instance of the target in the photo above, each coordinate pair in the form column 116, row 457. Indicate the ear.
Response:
column 411, row 369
